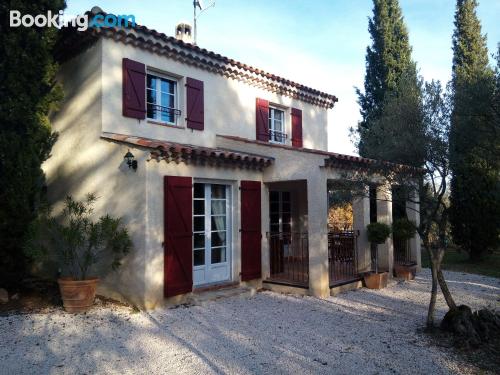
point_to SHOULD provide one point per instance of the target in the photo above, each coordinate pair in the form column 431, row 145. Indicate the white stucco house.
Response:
column 229, row 179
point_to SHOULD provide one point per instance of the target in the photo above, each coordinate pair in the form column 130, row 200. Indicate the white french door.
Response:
column 211, row 228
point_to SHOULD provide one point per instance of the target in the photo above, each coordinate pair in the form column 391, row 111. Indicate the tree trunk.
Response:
column 432, row 303
column 444, row 288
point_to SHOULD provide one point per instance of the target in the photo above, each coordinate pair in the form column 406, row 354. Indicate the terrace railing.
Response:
column 289, row 258
column 342, row 256
column 402, row 253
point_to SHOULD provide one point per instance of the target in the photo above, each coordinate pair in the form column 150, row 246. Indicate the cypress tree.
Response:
column 387, row 60
column 475, row 211
column 397, row 134
column 28, row 93
column 494, row 129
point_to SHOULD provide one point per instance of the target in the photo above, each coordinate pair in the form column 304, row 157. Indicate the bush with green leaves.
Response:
column 378, row 232
column 404, row 229
column 77, row 240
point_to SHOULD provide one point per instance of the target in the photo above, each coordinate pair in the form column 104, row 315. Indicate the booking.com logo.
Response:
column 60, row 20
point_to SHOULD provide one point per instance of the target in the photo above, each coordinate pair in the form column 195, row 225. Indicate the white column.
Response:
column 413, row 212
column 384, row 215
column 361, row 218
column 317, row 210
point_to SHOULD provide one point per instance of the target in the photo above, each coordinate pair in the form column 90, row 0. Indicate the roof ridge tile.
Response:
column 319, row 98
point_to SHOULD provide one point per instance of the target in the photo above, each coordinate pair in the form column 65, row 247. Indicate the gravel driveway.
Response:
column 359, row 332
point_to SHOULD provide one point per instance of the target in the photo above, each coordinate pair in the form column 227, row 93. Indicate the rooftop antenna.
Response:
column 199, row 4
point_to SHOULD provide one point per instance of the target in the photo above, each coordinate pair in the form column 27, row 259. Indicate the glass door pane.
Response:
column 280, row 215
column 199, row 225
column 199, row 234
column 210, row 228
column 218, row 224
column 274, row 209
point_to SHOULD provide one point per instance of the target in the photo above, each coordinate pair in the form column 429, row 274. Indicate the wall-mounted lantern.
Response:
column 130, row 160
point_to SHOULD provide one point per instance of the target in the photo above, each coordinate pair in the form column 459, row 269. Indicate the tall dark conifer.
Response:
column 387, row 60
column 475, row 207
column 28, row 93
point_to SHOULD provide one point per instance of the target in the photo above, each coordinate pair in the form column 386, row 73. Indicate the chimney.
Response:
column 183, row 31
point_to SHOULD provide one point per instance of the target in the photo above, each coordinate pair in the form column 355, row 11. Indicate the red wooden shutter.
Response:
column 251, row 230
column 195, row 104
column 296, row 127
column 262, row 120
column 134, row 89
column 178, row 266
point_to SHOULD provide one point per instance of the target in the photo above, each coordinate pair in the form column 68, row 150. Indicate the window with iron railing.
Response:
column 277, row 133
column 277, row 137
column 161, row 99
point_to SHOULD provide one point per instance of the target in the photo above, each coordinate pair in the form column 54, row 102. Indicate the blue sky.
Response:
column 320, row 43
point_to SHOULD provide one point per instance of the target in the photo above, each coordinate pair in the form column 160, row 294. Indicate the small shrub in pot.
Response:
column 377, row 234
column 79, row 243
column 403, row 230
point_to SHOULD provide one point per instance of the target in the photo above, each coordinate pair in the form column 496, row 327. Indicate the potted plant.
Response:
column 377, row 234
column 78, row 243
column 403, row 230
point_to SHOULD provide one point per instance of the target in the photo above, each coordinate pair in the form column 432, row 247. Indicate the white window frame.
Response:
column 208, row 266
column 272, row 125
column 158, row 96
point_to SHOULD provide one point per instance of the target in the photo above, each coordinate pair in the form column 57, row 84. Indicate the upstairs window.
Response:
column 161, row 99
column 276, row 125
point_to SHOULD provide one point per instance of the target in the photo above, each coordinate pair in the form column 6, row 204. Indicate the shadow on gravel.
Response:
column 486, row 358
column 372, row 332
column 53, row 341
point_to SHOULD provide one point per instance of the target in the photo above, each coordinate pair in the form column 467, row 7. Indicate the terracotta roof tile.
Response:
column 333, row 159
column 140, row 36
column 191, row 154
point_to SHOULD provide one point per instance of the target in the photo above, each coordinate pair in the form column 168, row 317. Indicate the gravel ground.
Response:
column 359, row 332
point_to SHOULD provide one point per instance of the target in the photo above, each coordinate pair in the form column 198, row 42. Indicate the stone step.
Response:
column 199, row 298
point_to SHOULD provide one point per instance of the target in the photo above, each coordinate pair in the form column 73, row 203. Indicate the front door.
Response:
column 211, row 227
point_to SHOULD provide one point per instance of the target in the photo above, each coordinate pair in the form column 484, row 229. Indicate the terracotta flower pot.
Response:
column 376, row 280
column 405, row 271
column 77, row 295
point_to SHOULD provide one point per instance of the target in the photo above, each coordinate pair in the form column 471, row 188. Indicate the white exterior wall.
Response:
column 229, row 104
column 81, row 163
column 155, row 222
